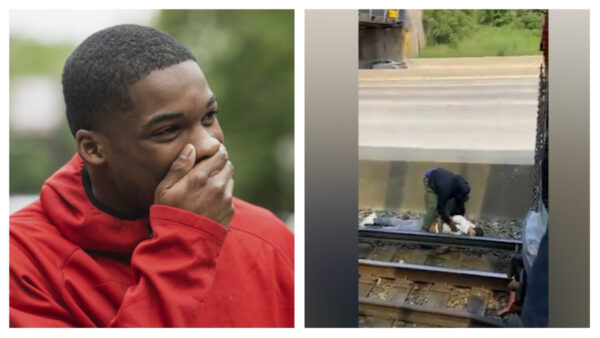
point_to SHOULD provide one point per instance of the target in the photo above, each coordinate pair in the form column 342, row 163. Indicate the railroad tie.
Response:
column 399, row 290
column 439, row 293
column 478, row 300
column 410, row 256
column 373, row 321
column 375, row 272
column 384, row 253
column 365, row 285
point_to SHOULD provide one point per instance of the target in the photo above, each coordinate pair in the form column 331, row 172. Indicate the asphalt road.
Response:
column 474, row 110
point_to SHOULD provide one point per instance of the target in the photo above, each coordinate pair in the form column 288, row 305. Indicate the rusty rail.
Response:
column 420, row 237
column 434, row 274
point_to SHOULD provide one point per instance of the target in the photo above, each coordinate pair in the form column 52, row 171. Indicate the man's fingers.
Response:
column 180, row 167
column 224, row 176
column 229, row 188
column 210, row 166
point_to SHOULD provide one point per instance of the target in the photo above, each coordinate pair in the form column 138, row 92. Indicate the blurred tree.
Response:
column 530, row 19
column 248, row 59
column 449, row 26
column 518, row 18
column 33, row 158
column 496, row 17
column 29, row 57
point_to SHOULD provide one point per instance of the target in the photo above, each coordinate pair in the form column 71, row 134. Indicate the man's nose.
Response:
column 205, row 144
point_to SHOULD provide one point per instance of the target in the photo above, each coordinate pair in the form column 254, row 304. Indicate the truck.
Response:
column 381, row 38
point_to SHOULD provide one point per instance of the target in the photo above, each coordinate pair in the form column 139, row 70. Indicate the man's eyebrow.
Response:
column 156, row 119
column 212, row 100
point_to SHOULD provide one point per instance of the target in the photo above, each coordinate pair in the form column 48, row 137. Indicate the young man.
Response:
column 445, row 193
column 140, row 228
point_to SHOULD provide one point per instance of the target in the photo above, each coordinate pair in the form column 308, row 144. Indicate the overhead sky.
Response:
column 71, row 26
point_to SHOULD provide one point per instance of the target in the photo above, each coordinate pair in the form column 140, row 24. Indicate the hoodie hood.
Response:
column 66, row 203
column 464, row 189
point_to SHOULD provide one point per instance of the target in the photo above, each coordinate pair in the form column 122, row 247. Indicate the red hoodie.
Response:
column 72, row 264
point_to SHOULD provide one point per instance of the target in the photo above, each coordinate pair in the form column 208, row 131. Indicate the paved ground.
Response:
column 476, row 110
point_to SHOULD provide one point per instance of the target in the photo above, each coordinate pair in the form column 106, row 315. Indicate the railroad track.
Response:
column 434, row 274
column 404, row 283
column 420, row 237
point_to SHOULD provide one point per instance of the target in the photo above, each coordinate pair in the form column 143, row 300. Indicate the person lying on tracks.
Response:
column 463, row 225
column 140, row 228
column 445, row 193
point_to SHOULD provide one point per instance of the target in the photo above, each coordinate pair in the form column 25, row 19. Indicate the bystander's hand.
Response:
column 452, row 226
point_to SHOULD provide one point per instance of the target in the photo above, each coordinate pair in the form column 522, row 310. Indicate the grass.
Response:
column 489, row 41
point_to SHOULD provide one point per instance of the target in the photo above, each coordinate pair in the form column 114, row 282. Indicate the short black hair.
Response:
column 98, row 73
column 478, row 231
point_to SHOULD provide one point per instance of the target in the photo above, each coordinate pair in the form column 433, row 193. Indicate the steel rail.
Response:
column 433, row 274
column 423, row 315
column 421, row 237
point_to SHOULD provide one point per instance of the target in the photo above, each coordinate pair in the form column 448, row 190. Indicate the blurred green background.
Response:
column 248, row 58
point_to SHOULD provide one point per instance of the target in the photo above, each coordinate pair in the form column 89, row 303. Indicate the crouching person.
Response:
column 445, row 194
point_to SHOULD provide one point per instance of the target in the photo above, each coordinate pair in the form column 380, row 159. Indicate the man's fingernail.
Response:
column 187, row 151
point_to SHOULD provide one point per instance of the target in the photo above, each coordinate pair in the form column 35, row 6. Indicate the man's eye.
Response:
column 167, row 131
column 210, row 116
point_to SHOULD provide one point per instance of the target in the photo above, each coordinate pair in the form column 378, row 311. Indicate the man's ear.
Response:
column 91, row 146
